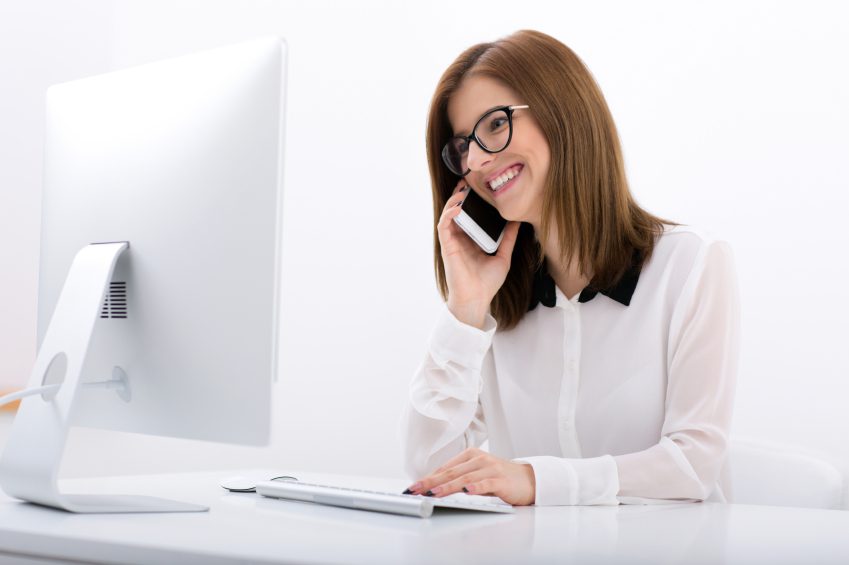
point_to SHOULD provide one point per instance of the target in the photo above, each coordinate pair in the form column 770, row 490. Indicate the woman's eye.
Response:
column 497, row 124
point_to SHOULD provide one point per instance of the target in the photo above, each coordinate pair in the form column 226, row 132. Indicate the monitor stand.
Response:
column 30, row 463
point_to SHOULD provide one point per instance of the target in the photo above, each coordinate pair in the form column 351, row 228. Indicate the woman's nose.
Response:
column 477, row 158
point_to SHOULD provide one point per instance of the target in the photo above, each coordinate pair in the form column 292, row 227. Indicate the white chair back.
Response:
column 773, row 474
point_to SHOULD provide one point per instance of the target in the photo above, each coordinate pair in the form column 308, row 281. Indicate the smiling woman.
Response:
column 620, row 387
column 575, row 182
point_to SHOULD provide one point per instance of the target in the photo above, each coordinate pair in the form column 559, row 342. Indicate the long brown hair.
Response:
column 586, row 198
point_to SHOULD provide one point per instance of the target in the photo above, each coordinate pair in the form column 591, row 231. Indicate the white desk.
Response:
column 243, row 528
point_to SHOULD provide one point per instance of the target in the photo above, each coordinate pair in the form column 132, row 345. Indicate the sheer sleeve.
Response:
column 443, row 415
column 702, row 358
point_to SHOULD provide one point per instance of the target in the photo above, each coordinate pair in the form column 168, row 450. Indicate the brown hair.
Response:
column 586, row 196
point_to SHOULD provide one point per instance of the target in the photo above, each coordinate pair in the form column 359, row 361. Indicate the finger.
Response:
column 464, row 456
column 426, row 483
column 461, row 189
column 449, row 231
column 455, row 200
column 458, row 194
column 461, row 185
column 447, row 228
column 511, row 233
column 487, row 487
column 451, row 209
column 461, row 483
column 438, row 480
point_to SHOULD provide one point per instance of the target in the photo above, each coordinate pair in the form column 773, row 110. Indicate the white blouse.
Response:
column 610, row 400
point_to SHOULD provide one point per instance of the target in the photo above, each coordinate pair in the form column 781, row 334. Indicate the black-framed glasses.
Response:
column 495, row 137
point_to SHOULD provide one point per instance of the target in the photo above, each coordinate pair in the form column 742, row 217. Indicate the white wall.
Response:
column 733, row 117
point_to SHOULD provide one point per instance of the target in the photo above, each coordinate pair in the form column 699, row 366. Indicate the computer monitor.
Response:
column 160, row 262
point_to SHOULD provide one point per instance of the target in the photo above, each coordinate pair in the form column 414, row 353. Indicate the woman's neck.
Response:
column 568, row 278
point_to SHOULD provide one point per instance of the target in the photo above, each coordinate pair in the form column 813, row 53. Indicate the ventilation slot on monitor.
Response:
column 115, row 304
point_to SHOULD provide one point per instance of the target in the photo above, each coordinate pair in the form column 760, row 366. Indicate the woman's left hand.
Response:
column 481, row 473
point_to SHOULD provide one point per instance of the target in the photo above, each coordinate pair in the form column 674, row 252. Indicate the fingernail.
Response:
column 429, row 493
column 414, row 488
column 460, row 203
column 465, row 188
column 465, row 489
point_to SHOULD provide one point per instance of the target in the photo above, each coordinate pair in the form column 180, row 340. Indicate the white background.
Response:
column 733, row 118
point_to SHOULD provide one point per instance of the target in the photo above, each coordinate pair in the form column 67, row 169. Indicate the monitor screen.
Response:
column 182, row 160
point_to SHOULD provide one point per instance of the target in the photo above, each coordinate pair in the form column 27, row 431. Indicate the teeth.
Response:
column 496, row 183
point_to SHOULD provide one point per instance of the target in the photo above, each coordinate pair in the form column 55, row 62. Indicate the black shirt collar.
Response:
column 543, row 287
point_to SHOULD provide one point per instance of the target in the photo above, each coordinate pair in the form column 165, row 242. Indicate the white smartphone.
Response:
column 481, row 221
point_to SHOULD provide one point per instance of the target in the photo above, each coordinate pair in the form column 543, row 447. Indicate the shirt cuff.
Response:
column 459, row 343
column 569, row 482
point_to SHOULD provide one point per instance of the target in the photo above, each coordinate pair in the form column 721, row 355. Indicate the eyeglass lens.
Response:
column 492, row 133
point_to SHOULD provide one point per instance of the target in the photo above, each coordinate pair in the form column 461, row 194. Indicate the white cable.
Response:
column 46, row 389
column 50, row 389
column 112, row 383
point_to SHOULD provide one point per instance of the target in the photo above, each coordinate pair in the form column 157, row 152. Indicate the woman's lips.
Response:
column 506, row 185
column 495, row 181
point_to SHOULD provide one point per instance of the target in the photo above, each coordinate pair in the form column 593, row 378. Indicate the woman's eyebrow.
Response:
column 482, row 114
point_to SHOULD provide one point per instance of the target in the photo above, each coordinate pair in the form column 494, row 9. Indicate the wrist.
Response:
column 472, row 314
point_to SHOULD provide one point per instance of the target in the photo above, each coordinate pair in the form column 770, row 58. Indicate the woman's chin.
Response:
column 512, row 216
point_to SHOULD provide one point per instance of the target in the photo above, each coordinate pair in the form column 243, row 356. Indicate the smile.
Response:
column 499, row 182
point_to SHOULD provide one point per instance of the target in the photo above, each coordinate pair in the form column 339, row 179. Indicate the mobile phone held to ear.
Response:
column 481, row 221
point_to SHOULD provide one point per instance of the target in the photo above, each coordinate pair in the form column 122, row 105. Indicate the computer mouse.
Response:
column 238, row 484
column 244, row 484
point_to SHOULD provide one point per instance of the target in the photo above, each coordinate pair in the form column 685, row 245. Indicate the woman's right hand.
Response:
column 473, row 276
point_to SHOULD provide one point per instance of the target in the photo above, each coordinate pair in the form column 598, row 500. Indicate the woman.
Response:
column 597, row 350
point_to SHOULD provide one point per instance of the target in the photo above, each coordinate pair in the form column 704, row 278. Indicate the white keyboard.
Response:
column 408, row 504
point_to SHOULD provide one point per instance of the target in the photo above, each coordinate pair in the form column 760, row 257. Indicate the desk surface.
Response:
column 249, row 528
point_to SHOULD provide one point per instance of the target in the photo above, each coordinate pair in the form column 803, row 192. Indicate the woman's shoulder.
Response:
column 683, row 245
column 686, row 237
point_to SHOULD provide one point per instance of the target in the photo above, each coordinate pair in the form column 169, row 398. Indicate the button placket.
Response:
column 569, row 380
